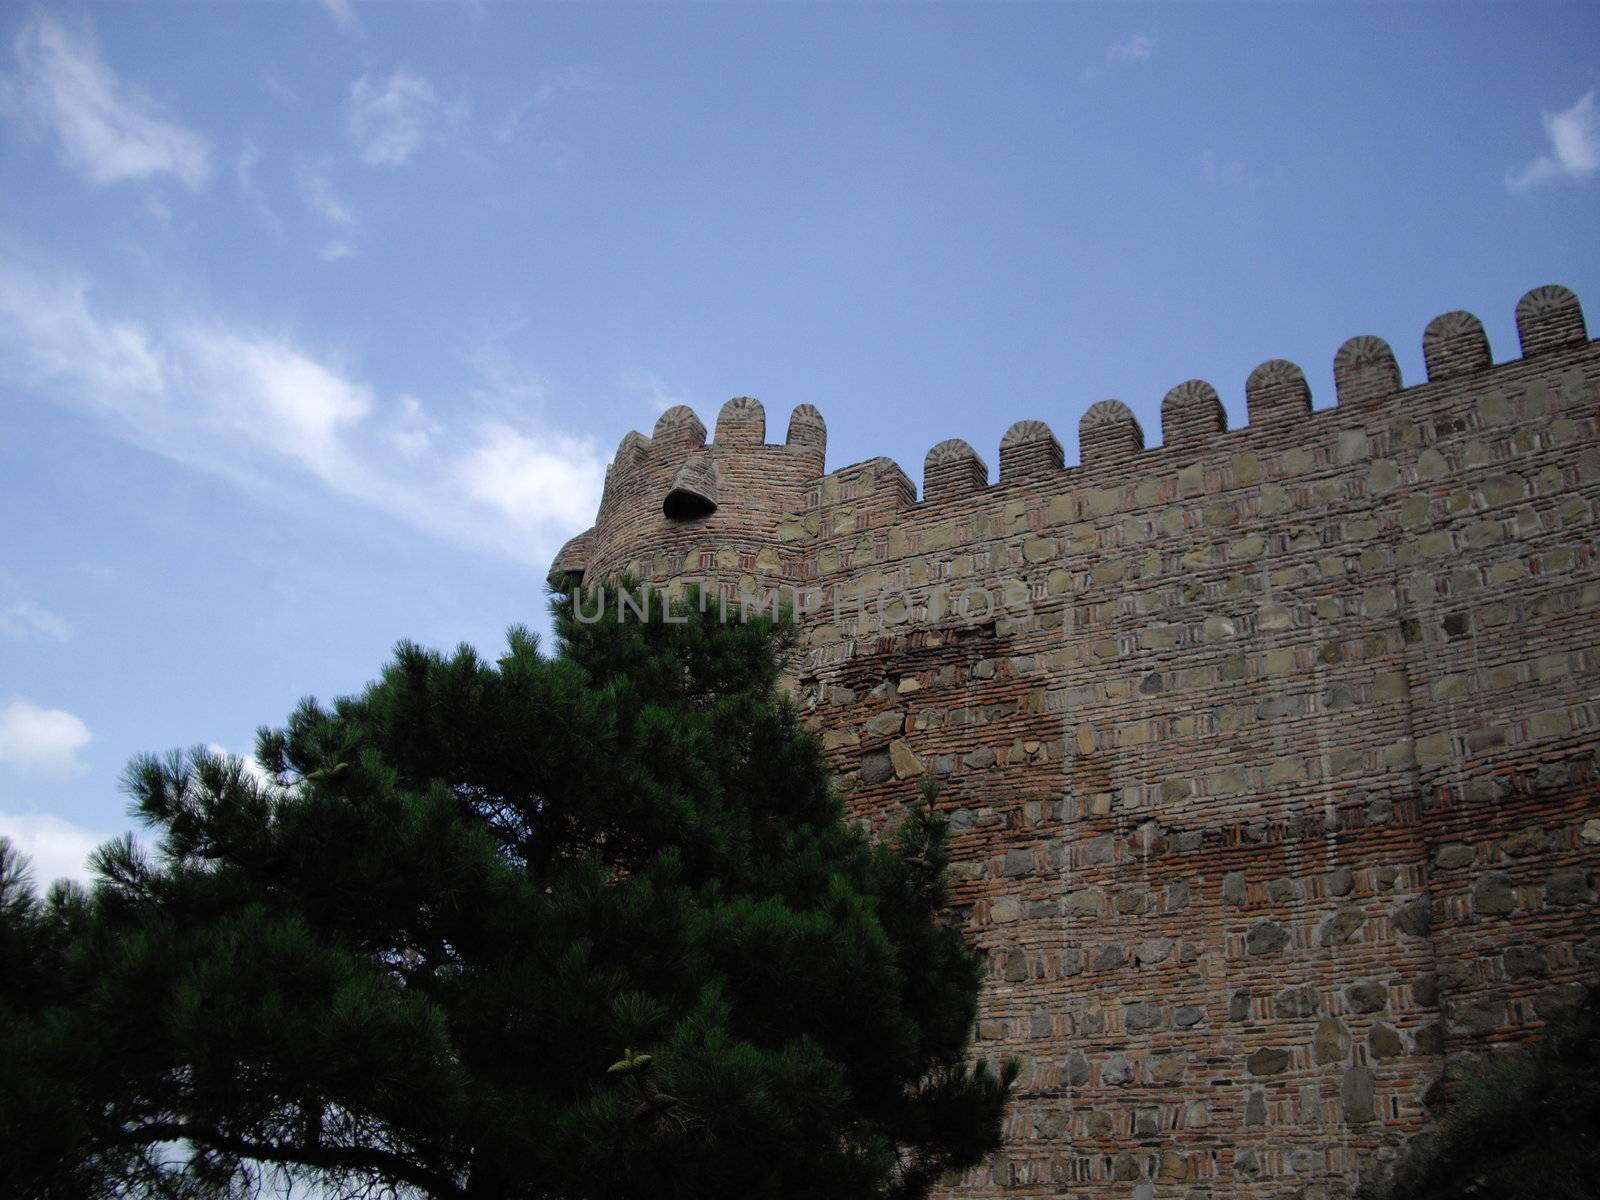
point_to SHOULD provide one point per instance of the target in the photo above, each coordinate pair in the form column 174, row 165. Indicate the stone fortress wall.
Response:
column 1273, row 781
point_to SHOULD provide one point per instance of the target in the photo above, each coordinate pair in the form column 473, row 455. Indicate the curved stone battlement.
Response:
column 1111, row 443
column 674, row 498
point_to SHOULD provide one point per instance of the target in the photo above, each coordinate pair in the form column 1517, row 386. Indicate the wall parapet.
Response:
column 1111, row 443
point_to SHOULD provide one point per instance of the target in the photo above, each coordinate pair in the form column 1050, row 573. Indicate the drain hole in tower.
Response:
column 682, row 504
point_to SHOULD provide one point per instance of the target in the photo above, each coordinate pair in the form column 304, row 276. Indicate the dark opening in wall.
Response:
column 694, row 491
column 684, row 504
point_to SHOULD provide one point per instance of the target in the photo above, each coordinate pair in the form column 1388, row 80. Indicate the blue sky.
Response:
column 319, row 321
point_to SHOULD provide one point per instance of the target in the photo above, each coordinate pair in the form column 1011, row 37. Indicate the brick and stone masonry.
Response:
column 1269, row 753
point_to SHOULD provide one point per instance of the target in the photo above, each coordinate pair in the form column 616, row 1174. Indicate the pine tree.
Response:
column 590, row 925
column 1517, row 1123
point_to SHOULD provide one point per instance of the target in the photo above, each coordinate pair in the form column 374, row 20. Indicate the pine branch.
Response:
column 384, row 1162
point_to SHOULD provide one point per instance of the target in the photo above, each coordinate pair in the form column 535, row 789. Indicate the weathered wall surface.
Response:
column 1271, row 760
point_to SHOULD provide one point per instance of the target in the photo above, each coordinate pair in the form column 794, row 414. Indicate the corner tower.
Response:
column 676, row 507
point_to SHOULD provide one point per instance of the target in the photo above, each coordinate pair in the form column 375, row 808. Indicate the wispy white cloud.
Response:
column 244, row 166
column 316, row 189
column 1135, row 48
column 652, row 388
column 105, row 129
column 278, row 398
column 160, row 211
column 1574, row 135
column 55, row 847
column 411, row 432
column 529, row 479
column 248, row 761
column 317, row 192
column 41, row 741
column 343, row 13
column 503, row 383
column 390, row 121
column 567, row 82
column 278, row 87
column 260, row 409
column 512, row 121
column 244, row 173
column 115, row 363
column 24, row 620
column 99, row 573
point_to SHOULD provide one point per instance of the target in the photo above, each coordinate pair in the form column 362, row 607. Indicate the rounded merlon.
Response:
column 952, row 468
column 1191, row 413
column 679, row 426
column 1277, row 391
column 1029, row 446
column 1550, row 317
column 742, row 421
column 807, row 428
column 1365, row 370
column 1107, row 432
column 1453, row 344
